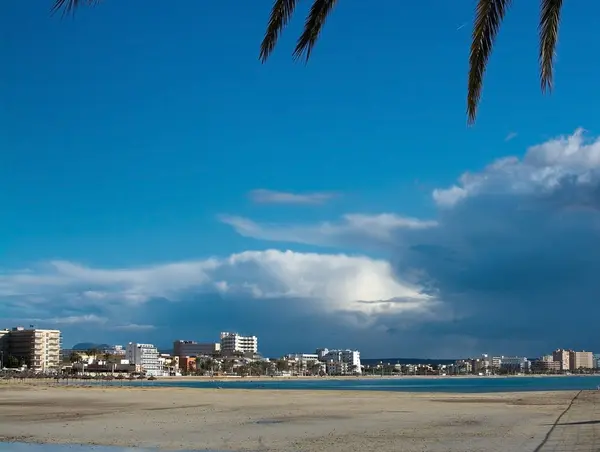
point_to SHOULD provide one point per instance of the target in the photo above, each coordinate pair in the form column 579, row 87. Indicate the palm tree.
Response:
column 74, row 357
column 488, row 18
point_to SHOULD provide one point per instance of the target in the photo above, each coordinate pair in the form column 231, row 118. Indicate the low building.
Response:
column 232, row 343
column 337, row 368
column 305, row 362
column 545, row 366
column 515, row 364
column 116, row 350
column 193, row 348
column 102, row 366
column 187, row 364
column 145, row 358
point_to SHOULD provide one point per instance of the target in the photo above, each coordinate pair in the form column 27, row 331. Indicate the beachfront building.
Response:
column 350, row 358
column 116, row 350
column 597, row 361
column 545, row 364
column 305, row 362
column 192, row 348
column 495, row 362
column 36, row 348
column 145, row 358
column 337, row 368
column 3, row 347
column 517, row 364
column 562, row 356
column 580, row 360
column 235, row 343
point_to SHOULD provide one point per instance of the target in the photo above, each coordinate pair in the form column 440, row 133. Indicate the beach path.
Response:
column 578, row 430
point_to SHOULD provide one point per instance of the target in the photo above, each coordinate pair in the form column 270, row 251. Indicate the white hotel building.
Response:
column 233, row 342
column 145, row 358
column 340, row 362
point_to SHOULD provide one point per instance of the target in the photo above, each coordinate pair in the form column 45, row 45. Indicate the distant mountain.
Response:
column 89, row 346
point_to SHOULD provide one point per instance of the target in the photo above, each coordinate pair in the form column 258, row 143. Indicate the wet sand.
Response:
column 265, row 420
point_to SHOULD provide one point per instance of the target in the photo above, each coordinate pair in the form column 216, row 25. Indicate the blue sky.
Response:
column 134, row 135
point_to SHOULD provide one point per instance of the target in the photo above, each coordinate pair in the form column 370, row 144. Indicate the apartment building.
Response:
column 192, row 348
column 563, row 357
column 543, row 365
column 581, row 360
column 145, row 358
column 234, row 342
column 350, row 357
column 515, row 364
column 38, row 349
column 597, row 361
column 495, row 362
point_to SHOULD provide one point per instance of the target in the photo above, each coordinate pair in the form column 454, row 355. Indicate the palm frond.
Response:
column 69, row 6
column 488, row 18
column 548, row 29
column 315, row 20
column 280, row 15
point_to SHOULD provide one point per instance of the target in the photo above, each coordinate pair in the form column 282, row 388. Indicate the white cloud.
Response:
column 510, row 136
column 339, row 282
column 264, row 196
column 513, row 247
column 541, row 171
column 380, row 227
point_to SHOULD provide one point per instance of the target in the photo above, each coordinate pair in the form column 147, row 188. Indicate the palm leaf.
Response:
column 69, row 6
column 548, row 29
column 315, row 20
column 280, row 15
column 488, row 18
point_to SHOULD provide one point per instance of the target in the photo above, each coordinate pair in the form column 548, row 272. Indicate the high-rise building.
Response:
column 597, row 361
column 36, row 348
column 193, row 348
column 233, row 342
column 581, row 360
column 562, row 356
column 144, row 357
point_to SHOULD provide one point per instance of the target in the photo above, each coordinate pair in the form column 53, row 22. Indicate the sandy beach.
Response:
column 264, row 420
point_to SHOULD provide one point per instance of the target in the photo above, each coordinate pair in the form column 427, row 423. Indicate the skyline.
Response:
column 155, row 183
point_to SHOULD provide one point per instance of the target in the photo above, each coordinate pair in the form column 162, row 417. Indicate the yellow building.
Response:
column 38, row 349
column 581, row 360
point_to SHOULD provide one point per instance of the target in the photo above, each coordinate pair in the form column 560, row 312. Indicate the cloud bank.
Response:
column 508, row 265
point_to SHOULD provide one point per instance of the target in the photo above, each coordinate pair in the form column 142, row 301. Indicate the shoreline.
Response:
column 359, row 377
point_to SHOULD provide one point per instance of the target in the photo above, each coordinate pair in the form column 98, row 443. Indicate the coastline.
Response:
column 359, row 377
column 277, row 420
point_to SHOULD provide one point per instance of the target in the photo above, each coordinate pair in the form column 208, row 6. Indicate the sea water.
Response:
column 398, row 384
